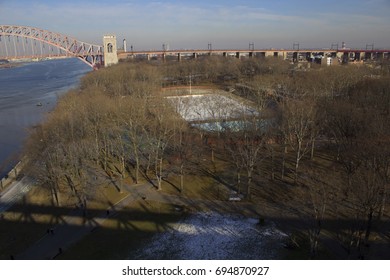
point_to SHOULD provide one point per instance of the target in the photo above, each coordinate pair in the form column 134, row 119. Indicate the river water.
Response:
column 27, row 93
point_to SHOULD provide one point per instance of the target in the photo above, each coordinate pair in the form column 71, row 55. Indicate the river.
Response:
column 27, row 93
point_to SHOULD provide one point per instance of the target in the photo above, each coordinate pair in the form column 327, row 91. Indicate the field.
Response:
column 203, row 105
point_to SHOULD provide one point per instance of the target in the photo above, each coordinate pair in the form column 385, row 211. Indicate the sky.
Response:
column 225, row 24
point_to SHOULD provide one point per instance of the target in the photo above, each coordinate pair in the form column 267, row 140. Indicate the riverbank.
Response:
column 10, row 65
column 23, row 86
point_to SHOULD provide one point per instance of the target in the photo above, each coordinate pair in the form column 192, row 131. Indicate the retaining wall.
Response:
column 11, row 176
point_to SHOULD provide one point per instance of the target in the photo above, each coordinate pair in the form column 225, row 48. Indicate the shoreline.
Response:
column 10, row 65
column 11, row 162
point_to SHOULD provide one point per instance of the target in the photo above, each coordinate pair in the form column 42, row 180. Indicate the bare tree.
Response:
column 247, row 143
column 161, row 132
column 317, row 194
column 297, row 124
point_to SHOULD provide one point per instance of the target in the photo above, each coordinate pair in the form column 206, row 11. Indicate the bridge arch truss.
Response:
column 15, row 41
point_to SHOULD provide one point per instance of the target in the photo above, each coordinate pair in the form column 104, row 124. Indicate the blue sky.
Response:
column 226, row 24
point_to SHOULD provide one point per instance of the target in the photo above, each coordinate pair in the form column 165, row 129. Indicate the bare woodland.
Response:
column 318, row 146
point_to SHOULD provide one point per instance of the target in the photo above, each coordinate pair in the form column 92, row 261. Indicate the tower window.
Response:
column 109, row 48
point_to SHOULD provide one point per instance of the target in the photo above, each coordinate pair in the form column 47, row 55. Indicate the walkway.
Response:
column 14, row 193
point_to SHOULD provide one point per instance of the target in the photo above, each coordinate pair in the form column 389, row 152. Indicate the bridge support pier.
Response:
column 308, row 56
column 179, row 57
column 380, row 56
column 368, row 56
column 224, row 54
column 194, row 55
column 345, row 57
column 358, row 56
column 295, row 56
column 237, row 54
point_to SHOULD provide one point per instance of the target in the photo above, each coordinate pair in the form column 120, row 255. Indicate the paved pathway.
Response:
column 14, row 193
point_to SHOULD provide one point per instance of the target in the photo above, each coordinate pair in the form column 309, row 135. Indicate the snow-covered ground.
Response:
column 212, row 235
column 204, row 107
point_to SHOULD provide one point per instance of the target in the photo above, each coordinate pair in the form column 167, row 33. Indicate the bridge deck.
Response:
column 200, row 51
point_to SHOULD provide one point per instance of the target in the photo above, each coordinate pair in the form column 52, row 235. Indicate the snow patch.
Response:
column 211, row 235
column 203, row 107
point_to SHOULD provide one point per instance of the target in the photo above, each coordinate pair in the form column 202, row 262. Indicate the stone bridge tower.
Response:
column 110, row 50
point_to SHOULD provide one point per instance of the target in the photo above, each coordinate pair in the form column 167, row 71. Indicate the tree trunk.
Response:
column 136, row 163
column 368, row 227
column 85, row 207
column 284, row 159
column 248, row 192
column 238, row 181
column 272, row 165
column 71, row 184
column 181, row 177
column 54, row 195
column 296, row 169
column 148, row 164
column 136, row 170
column 123, row 167
column 283, row 165
column 159, row 174
column 55, row 192
column 97, row 147
column 105, row 160
column 312, row 148
column 383, row 204
column 297, row 159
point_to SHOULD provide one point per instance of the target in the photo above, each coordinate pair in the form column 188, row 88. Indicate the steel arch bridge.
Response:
column 16, row 41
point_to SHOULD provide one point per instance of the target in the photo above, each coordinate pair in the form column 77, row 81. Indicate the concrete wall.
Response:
column 11, row 176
